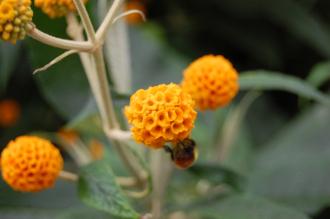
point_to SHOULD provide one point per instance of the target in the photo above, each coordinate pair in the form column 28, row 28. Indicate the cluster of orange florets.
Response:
column 56, row 8
column 30, row 164
column 160, row 114
column 212, row 81
column 14, row 17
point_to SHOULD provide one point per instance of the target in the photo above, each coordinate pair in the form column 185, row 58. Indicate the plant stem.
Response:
column 100, row 86
column 110, row 16
column 85, row 19
column 68, row 176
column 58, row 42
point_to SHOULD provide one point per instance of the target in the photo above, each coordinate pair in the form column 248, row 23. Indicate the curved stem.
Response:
column 58, row 42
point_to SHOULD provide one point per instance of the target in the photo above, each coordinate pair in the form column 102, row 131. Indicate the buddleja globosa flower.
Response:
column 30, row 164
column 161, row 114
column 56, row 8
column 14, row 17
column 212, row 81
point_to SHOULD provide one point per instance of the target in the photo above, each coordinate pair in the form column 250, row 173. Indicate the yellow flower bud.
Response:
column 56, row 8
column 14, row 17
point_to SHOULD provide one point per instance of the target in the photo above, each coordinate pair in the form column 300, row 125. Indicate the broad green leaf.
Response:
column 216, row 174
column 294, row 167
column 8, row 59
column 249, row 207
column 98, row 189
column 64, row 85
column 319, row 74
column 268, row 80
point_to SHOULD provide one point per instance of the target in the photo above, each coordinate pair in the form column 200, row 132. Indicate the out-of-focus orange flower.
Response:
column 134, row 5
column 9, row 112
column 212, row 81
column 68, row 135
column 97, row 149
column 56, row 8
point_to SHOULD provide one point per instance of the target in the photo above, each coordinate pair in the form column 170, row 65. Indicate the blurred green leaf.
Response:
column 217, row 174
column 158, row 64
column 83, row 213
column 27, row 213
column 64, row 85
column 268, row 80
column 319, row 74
column 249, row 207
column 300, row 22
column 98, row 189
column 9, row 55
column 294, row 167
column 231, row 127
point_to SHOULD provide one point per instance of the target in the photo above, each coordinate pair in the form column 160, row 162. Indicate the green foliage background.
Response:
column 278, row 162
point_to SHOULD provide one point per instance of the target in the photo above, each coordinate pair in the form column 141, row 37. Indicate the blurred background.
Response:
column 287, row 36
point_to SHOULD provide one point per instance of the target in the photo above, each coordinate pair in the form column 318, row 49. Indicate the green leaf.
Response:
column 64, row 85
column 249, row 207
column 8, row 58
column 267, row 80
column 98, row 189
column 299, row 22
column 217, row 174
column 294, row 167
column 83, row 213
column 27, row 213
column 319, row 74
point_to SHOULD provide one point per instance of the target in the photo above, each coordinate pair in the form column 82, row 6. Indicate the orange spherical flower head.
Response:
column 212, row 81
column 56, row 8
column 134, row 18
column 30, row 164
column 14, row 17
column 9, row 112
column 161, row 114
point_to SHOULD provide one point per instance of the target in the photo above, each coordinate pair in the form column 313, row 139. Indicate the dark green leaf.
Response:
column 319, row 74
column 8, row 59
column 294, row 167
column 217, row 174
column 267, row 80
column 98, row 189
column 249, row 207
column 64, row 85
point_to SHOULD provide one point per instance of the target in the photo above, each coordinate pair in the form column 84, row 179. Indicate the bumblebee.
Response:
column 183, row 153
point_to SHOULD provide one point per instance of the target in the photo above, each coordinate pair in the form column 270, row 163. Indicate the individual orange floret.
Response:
column 161, row 114
column 14, row 17
column 212, row 81
column 56, row 8
column 134, row 5
column 30, row 164
column 9, row 112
